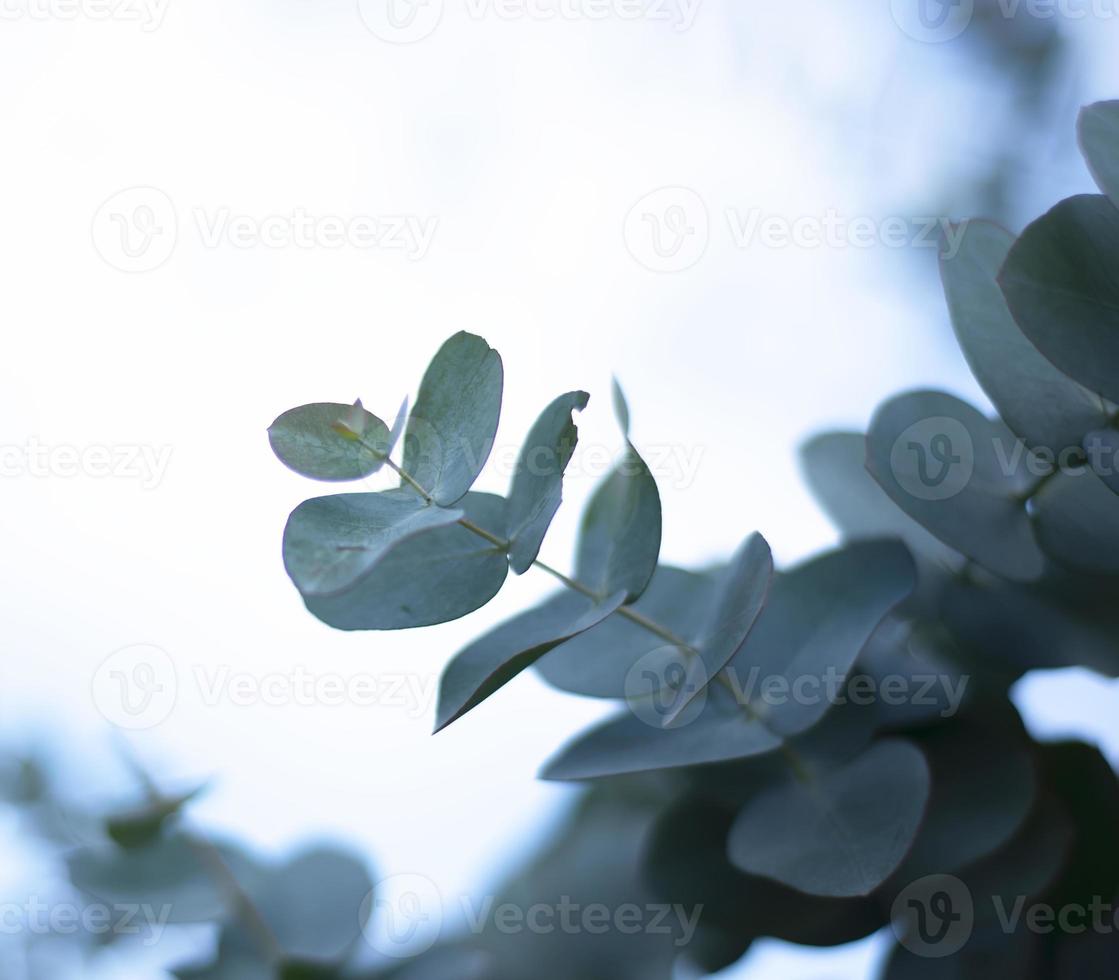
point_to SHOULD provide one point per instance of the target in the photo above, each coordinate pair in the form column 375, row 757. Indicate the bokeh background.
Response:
column 513, row 165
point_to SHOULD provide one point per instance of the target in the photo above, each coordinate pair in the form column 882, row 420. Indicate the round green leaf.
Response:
column 1077, row 521
column 1061, row 281
column 330, row 442
column 331, row 542
column 433, row 577
column 1039, row 403
column 838, row 833
column 958, row 474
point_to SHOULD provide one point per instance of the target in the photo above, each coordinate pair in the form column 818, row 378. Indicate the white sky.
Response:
column 527, row 142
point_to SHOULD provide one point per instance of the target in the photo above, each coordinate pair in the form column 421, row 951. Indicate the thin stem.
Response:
column 626, row 612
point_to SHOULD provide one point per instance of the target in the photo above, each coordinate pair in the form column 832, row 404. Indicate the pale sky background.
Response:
column 524, row 143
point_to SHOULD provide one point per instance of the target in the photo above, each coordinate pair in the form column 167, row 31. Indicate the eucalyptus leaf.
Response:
column 1061, row 281
column 620, row 536
column 331, row 542
column 1077, row 521
column 144, row 824
column 962, row 476
column 490, row 662
column 1102, row 449
column 1099, row 141
column 819, row 617
column 326, row 441
column 596, row 663
column 168, row 875
column 742, row 594
column 1039, row 403
column 633, row 742
column 839, row 833
column 453, row 424
column 433, row 577
column 834, row 465
column 537, row 488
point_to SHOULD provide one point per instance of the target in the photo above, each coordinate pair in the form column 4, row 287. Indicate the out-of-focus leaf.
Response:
column 959, row 475
column 331, row 542
column 1102, row 449
column 620, row 536
column 1099, row 141
column 686, row 862
column 1061, row 281
column 633, row 742
column 326, row 441
column 983, row 788
column 537, row 488
column 1039, row 403
column 834, row 465
column 166, row 875
column 1077, row 521
column 433, row 577
column 839, row 832
column 742, row 594
column 596, row 663
column 489, row 663
column 452, row 427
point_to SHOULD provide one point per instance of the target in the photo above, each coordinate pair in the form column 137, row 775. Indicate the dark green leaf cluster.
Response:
column 976, row 550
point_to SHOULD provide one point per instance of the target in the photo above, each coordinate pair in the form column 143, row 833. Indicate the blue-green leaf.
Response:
column 1077, row 520
column 960, row 475
column 1102, row 450
column 433, row 577
column 537, row 488
column 1061, row 281
column 490, row 662
column 596, row 663
column 451, row 430
column 1099, row 141
column 743, row 592
column 1039, row 403
column 819, row 617
column 620, row 536
column 326, row 441
column 839, row 832
column 834, row 466
column 331, row 542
